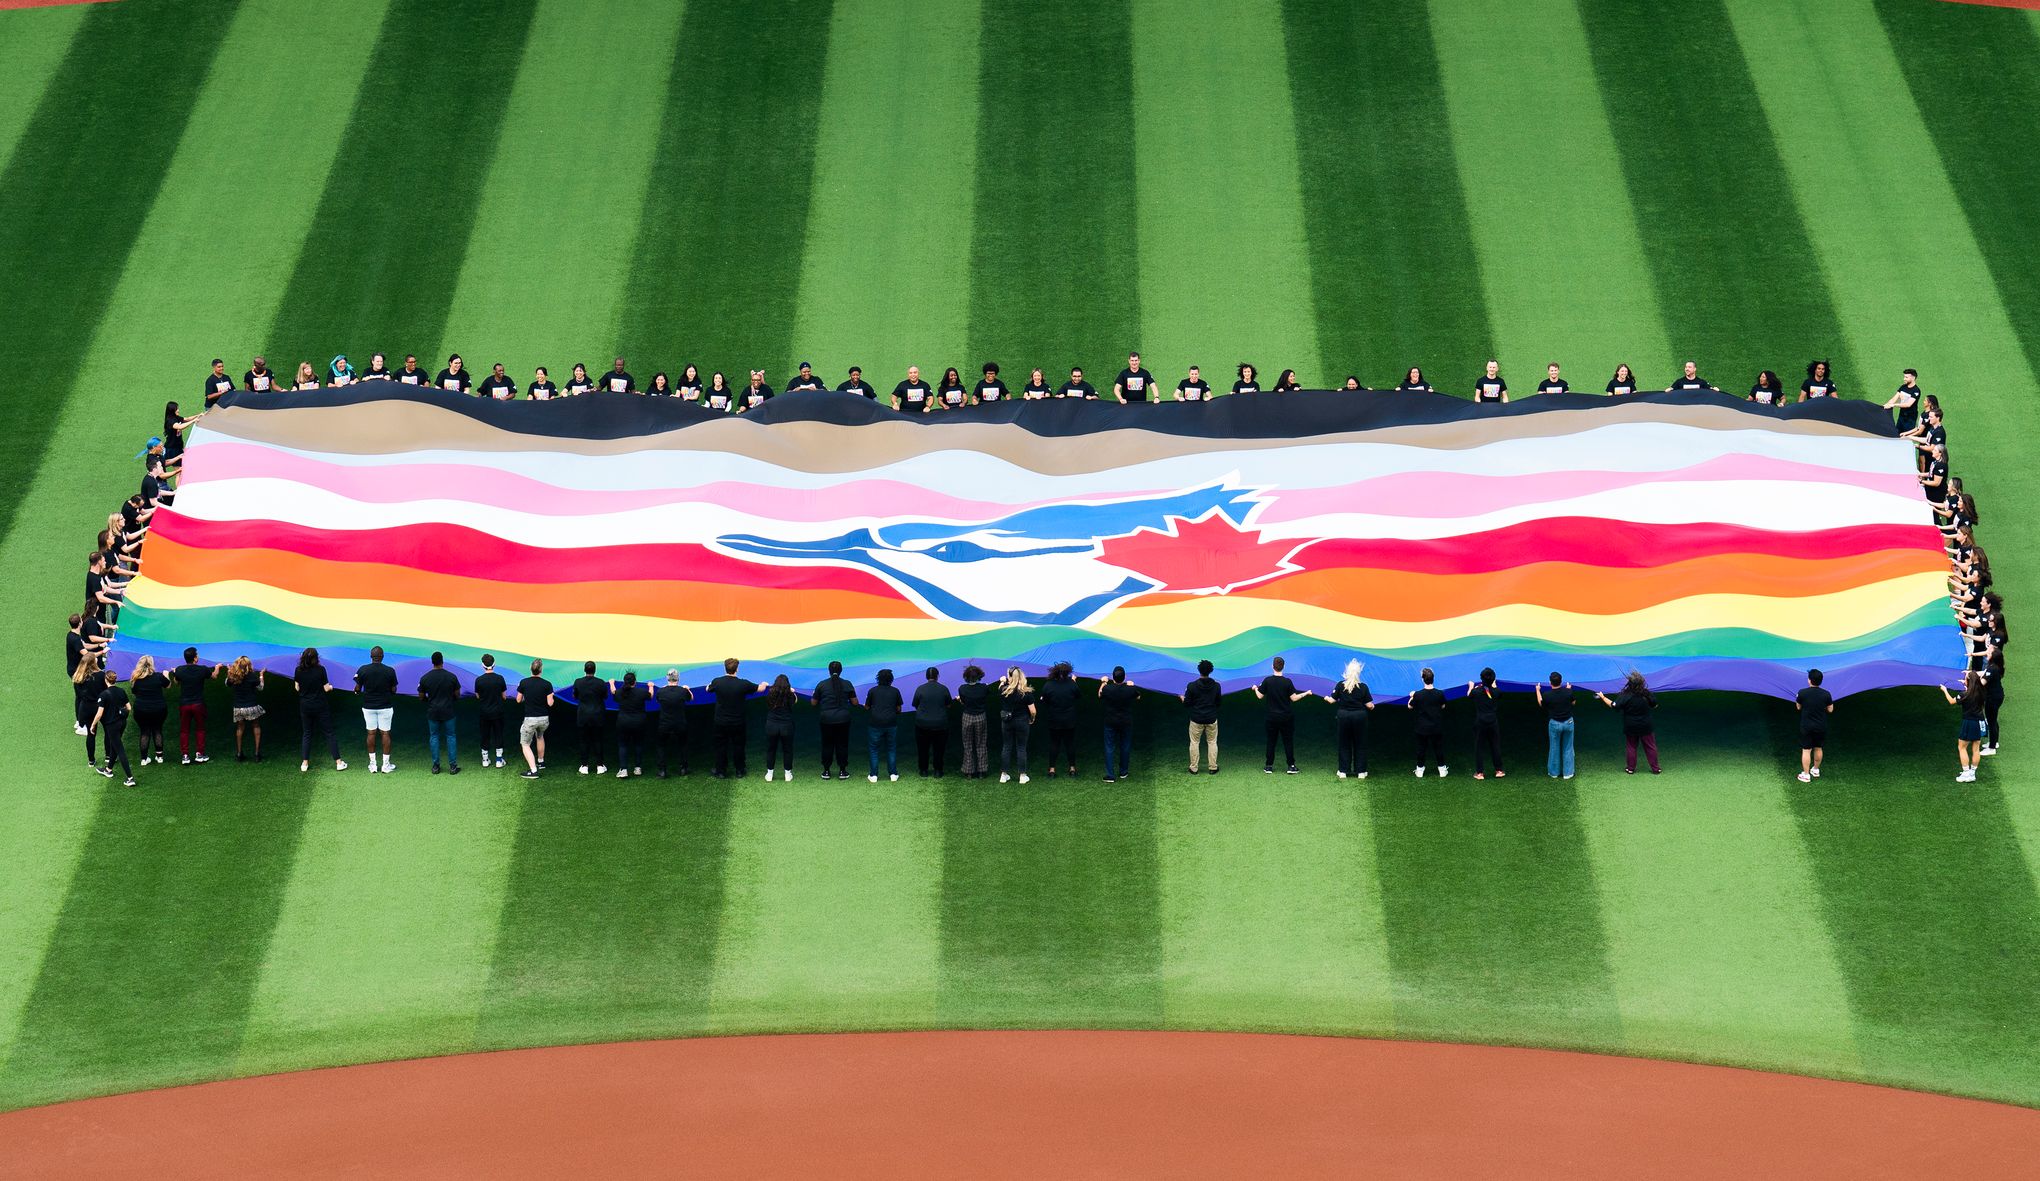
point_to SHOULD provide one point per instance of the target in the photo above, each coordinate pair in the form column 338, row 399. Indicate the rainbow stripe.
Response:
column 1706, row 543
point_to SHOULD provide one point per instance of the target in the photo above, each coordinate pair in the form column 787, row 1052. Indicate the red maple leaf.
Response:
column 1206, row 556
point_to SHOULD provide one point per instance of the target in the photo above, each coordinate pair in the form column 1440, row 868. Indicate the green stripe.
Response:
column 1560, row 258
column 1392, row 263
column 559, row 206
column 1493, row 912
column 885, row 278
column 1737, row 279
column 1271, row 910
column 38, row 42
column 714, row 274
column 833, row 917
column 249, row 232
column 1716, row 935
column 1049, row 890
column 1223, row 259
column 1050, row 290
column 75, row 191
column 378, row 269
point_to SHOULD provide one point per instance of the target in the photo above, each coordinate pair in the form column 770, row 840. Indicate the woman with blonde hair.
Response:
column 152, row 709
column 307, row 377
column 1352, row 701
column 244, row 684
column 86, row 681
column 1016, row 714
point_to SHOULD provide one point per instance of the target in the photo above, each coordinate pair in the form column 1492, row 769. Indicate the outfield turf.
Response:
column 1337, row 187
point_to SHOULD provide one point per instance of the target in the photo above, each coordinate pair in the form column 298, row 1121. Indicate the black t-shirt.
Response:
column 1814, row 702
column 1635, row 709
column 541, row 391
column 1134, row 384
column 801, row 384
column 258, row 382
column 721, row 399
column 1193, row 391
column 1351, row 701
column 631, row 700
column 94, row 583
column 74, row 651
column 1489, row 389
column 1118, row 698
column 534, row 690
column 756, row 395
column 576, row 386
column 618, row 382
column 215, row 385
column 1245, row 387
column 377, row 684
column 688, row 391
column 412, row 376
column 498, row 387
column 1200, row 697
column 950, row 396
column 1762, row 396
column 114, row 701
column 1908, row 415
column 1406, row 386
column 378, row 373
column 730, row 692
column 441, row 691
column 912, row 395
column 1553, row 387
column 489, row 690
column 191, row 679
column 931, row 705
column 673, row 701
column 859, row 387
column 833, row 698
column 149, row 692
column 1558, row 703
column 1035, row 389
column 1690, row 384
column 1824, row 388
column 993, row 390
column 1076, row 389
column 884, row 702
column 246, row 693
column 1276, row 690
column 311, row 686
column 1486, row 704
column 974, row 697
column 451, row 382
column 1059, row 703
column 1014, row 705
column 591, row 693
column 1427, row 706
column 1622, row 387
column 1937, row 492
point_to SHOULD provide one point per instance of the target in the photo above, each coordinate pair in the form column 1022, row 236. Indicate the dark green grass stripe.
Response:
column 1393, row 268
column 1488, row 891
column 716, row 272
column 381, row 261
column 149, row 973
column 1050, row 892
column 1975, row 74
column 1739, row 285
column 1052, row 289
column 78, row 186
column 1928, row 897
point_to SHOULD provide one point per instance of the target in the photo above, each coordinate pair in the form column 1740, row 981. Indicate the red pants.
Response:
column 189, row 718
column 1649, row 744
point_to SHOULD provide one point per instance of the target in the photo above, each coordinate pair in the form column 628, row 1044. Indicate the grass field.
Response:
column 1335, row 186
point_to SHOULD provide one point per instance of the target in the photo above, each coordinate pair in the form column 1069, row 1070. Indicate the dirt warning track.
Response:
column 1034, row 1104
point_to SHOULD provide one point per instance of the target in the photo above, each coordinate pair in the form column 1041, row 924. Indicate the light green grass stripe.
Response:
column 1271, row 910
column 33, row 43
column 885, row 279
column 1560, row 259
column 1224, row 260
column 1715, row 935
column 832, row 912
column 1910, row 283
column 560, row 204
column 205, row 271
column 384, row 942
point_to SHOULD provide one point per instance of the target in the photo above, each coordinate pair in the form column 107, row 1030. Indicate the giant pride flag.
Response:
column 1702, row 541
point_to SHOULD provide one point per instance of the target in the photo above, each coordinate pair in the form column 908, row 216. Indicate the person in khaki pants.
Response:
column 1201, row 696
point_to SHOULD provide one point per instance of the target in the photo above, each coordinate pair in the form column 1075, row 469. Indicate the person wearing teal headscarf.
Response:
column 340, row 372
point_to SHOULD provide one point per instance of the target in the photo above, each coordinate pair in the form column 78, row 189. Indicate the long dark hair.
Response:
column 1061, row 672
column 1827, row 370
column 169, row 419
column 309, row 660
column 951, row 378
column 780, row 695
column 1972, row 693
column 1638, row 686
column 1287, row 379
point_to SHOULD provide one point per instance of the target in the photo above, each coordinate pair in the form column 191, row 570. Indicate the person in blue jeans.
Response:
column 1118, row 696
column 882, row 729
column 1558, row 722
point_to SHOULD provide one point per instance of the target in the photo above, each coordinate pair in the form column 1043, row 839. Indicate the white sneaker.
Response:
column 1805, row 778
column 637, row 770
column 387, row 765
column 1005, row 777
column 1444, row 770
column 787, row 774
column 1361, row 775
column 895, row 778
column 622, row 774
column 1965, row 776
column 584, row 769
column 339, row 764
column 304, row 766
column 78, row 728
column 372, row 767
column 1023, row 779
column 873, row 778
column 601, row 769
column 1816, row 772
column 1342, row 774
column 768, row 776
column 1988, row 750
column 1420, row 772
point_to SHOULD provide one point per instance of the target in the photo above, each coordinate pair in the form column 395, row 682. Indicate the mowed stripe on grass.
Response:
column 36, row 47
column 141, row 983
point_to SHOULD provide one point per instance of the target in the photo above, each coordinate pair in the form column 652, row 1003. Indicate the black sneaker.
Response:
column 435, row 768
column 106, row 771
column 527, row 773
column 1292, row 768
column 453, row 770
column 1267, row 770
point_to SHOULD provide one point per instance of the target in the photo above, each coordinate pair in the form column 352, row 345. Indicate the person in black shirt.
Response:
column 779, row 726
column 1819, row 382
column 1279, row 692
column 1076, row 386
column 974, row 699
column 1635, row 703
column 1968, row 740
column 376, row 683
column 989, row 388
column 1118, row 696
column 662, row 387
column 1248, row 381
column 591, row 702
column 1689, row 381
column 1557, row 702
column 1623, row 383
column 718, row 396
column 109, row 715
column 881, row 729
column 1287, row 382
column 1352, row 702
column 535, row 703
column 244, row 690
column 912, row 396
column 1490, row 387
column 1059, row 709
column 1815, row 705
column 1193, row 387
column 931, row 723
column 1016, row 714
column 191, row 677
column 217, row 383
column 312, row 685
column 1133, row 382
column 1427, row 710
column 689, row 388
column 950, row 395
column 1352, row 383
column 410, row 374
column 618, row 380
column 1036, row 388
column 854, row 383
column 1201, row 698
column 632, row 699
column 1413, row 383
column 306, row 379
column 439, row 689
column 498, row 385
column 150, row 707
column 1905, row 402
column 833, row 697
column 378, row 369
column 454, row 379
column 673, row 698
column 86, row 681
column 1935, row 478
column 757, row 393
column 541, row 388
column 1487, row 724
column 1552, row 384
column 258, row 379
column 803, row 381
column 490, row 689
column 76, row 652
column 729, row 692
column 579, row 382
column 1766, row 392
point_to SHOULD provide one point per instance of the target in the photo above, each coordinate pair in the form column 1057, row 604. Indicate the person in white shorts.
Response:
column 376, row 682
